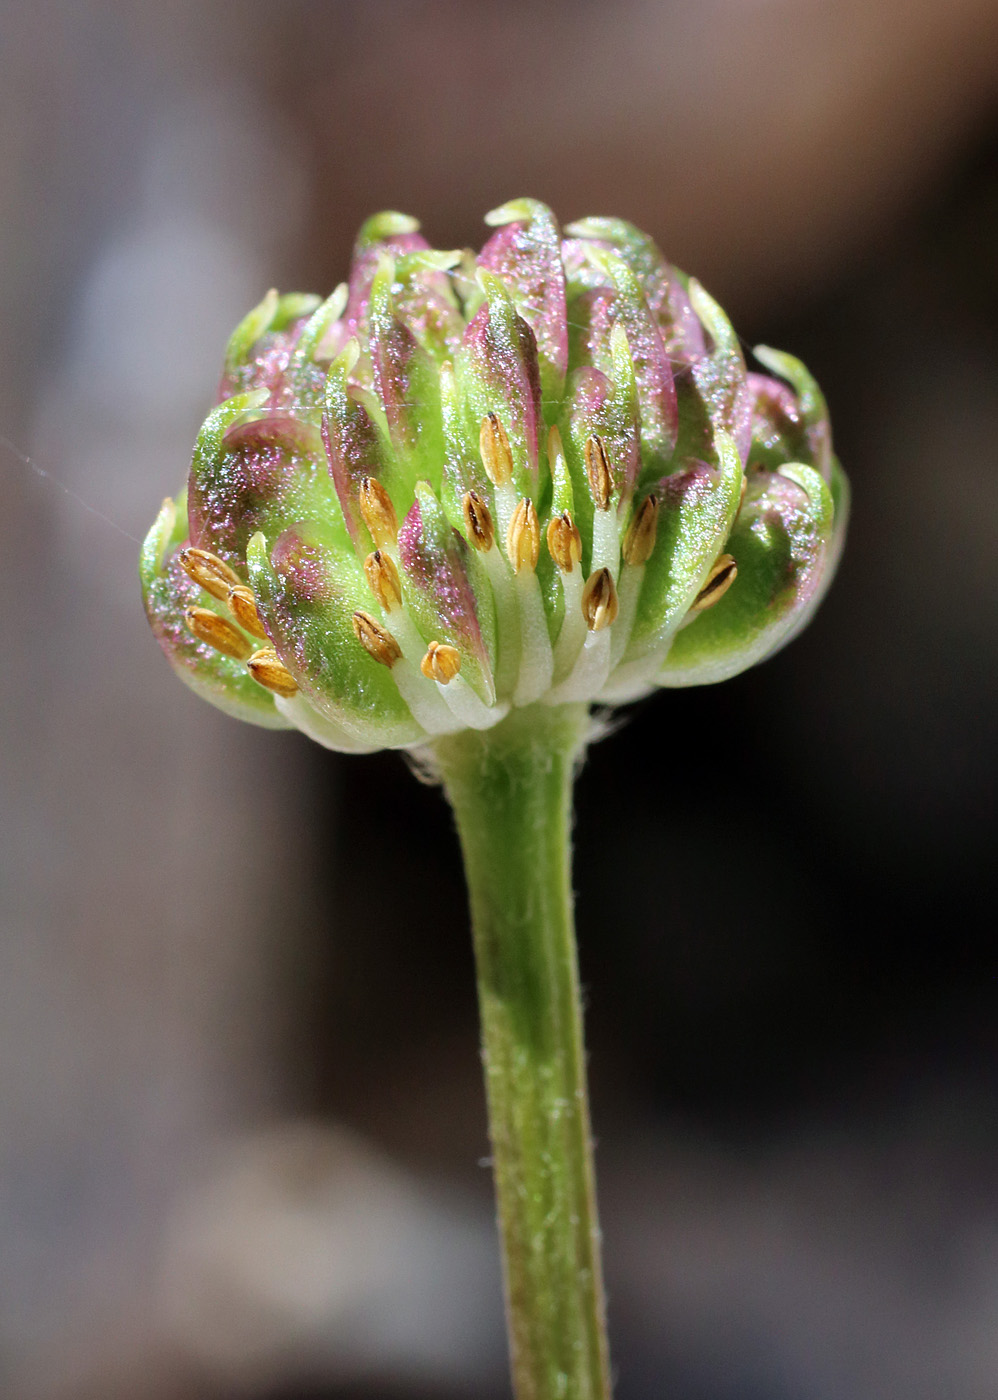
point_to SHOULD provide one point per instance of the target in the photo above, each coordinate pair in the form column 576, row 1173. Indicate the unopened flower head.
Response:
column 462, row 484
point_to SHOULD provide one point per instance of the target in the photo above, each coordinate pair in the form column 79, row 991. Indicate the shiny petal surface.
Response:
column 308, row 587
column 780, row 543
column 167, row 592
column 526, row 254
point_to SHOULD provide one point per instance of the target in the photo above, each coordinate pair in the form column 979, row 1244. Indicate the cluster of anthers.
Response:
column 461, row 485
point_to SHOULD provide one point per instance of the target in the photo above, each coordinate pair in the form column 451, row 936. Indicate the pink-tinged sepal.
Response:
column 811, row 427
column 309, row 363
column 254, row 468
column 390, row 234
column 261, row 347
column 407, row 383
column 437, row 570
column 463, row 470
column 498, row 372
column 424, row 301
column 663, row 287
column 167, row 592
column 652, row 371
column 601, row 406
column 356, row 446
column 308, row 587
column 780, row 544
column 525, row 253
column 719, row 374
column 697, row 509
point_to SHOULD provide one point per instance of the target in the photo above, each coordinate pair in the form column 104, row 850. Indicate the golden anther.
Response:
column 564, row 541
column 212, row 573
column 441, row 662
column 267, row 667
column 478, row 522
column 523, row 538
column 383, row 577
column 640, row 538
column 376, row 640
column 218, row 632
column 378, row 512
column 599, row 600
column 598, row 472
column 493, row 444
column 719, row 580
column 242, row 606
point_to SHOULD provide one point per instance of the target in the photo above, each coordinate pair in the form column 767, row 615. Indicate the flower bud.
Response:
column 366, row 453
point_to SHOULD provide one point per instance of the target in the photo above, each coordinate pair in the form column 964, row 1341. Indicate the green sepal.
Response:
column 813, row 407
column 780, row 544
column 407, row 383
column 379, row 227
column 166, row 592
column 256, row 468
column 308, row 586
column 720, row 374
column 251, row 328
column 562, row 493
column 655, row 386
column 697, row 510
column 530, row 265
column 498, row 372
column 446, row 593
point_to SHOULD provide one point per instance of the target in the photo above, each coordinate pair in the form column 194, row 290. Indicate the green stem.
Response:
column 511, row 790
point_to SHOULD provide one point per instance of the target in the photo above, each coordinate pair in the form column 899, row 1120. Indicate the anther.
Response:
column 378, row 512
column 267, row 667
column 218, row 632
column 478, row 522
column 242, row 606
column 493, row 444
column 640, row 538
column 441, row 662
column 212, row 573
column 383, row 578
column 564, row 541
column 719, row 580
column 599, row 600
column 376, row 640
column 523, row 538
column 598, row 472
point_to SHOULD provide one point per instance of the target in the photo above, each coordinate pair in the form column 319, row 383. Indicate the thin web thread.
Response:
column 48, row 476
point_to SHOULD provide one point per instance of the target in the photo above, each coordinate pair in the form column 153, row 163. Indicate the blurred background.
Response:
column 241, row 1121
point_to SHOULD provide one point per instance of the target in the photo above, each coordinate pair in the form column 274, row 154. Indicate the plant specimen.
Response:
column 460, row 508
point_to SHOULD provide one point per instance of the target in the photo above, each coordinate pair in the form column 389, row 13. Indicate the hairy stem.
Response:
column 511, row 790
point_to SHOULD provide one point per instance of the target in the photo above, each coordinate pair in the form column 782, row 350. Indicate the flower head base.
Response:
column 464, row 484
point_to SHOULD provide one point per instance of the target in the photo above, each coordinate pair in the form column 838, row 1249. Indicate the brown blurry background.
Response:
column 241, row 1124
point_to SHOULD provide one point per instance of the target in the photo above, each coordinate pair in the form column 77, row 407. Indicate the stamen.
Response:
column 267, row 667
column 376, row 640
column 378, row 512
column 523, row 539
column 242, row 605
column 493, row 443
column 719, row 580
column 212, row 573
column 441, row 663
column 478, row 522
column 217, row 632
column 564, row 541
column 640, row 538
column 598, row 472
column 383, row 578
column 599, row 600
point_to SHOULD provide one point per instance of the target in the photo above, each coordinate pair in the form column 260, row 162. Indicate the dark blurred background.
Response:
column 241, row 1122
